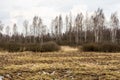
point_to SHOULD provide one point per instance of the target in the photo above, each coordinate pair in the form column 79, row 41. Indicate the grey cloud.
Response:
column 63, row 6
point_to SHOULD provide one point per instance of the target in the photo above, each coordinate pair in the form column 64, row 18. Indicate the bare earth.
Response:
column 67, row 64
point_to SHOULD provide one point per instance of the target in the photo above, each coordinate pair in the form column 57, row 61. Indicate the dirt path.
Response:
column 68, row 49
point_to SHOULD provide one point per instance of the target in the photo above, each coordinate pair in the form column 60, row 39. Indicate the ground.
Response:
column 67, row 64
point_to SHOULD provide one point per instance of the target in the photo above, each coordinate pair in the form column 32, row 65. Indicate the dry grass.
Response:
column 67, row 64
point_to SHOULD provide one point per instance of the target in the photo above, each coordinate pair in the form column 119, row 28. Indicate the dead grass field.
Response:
column 67, row 64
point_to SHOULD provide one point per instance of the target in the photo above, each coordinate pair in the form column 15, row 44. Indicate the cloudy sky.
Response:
column 16, row 11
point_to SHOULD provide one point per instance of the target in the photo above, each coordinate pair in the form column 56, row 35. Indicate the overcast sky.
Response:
column 16, row 11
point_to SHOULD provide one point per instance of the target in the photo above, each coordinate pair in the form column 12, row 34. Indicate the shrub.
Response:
column 90, row 47
column 14, row 47
column 45, row 47
column 109, row 47
column 32, row 47
column 104, row 47
column 49, row 47
column 3, row 46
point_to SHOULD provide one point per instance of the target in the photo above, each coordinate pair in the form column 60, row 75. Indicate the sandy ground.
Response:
column 68, row 49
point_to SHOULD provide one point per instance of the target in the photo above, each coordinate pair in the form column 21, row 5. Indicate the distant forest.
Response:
column 82, row 29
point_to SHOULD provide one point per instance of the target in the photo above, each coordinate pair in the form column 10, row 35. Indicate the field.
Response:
column 67, row 64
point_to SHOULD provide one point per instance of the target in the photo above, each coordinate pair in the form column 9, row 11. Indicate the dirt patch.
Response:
column 68, row 49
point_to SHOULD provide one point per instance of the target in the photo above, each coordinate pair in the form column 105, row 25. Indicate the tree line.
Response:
column 69, row 31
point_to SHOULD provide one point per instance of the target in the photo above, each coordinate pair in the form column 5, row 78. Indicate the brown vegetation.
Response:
column 17, row 47
column 101, row 47
column 60, row 65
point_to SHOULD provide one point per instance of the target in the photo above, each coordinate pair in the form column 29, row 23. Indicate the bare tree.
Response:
column 101, row 24
column 87, row 26
column 35, row 23
column 15, row 32
column 70, row 28
column 25, row 24
column 8, row 30
column 88, row 29
column 56, row 27
column 67, row 24
column 43, row 32
column 98, row 20
column 31, row 33
column 39, row 30
column 79, row 27
column 60, row 26
column 40, row 24
column 7, row 33
column 114, row 25
column 1, row 27
column 52, row 28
